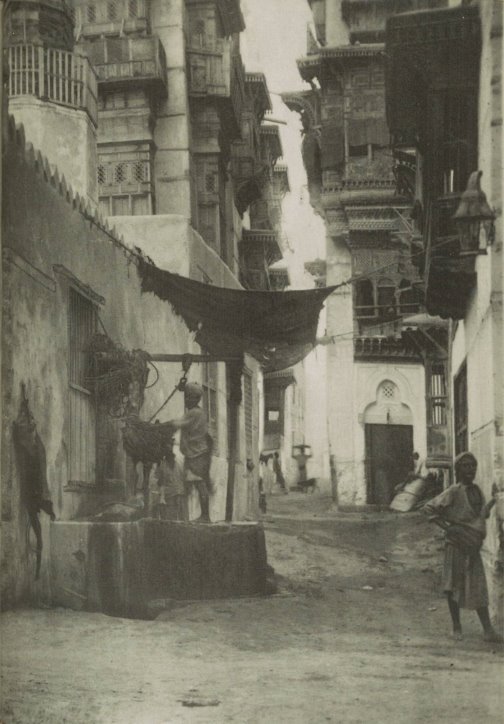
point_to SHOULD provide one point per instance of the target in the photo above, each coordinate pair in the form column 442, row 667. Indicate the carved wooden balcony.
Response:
column 384, row 349
column 121, row 62
column 58, row 76
column 449, row 271
column 210, row 68
column 264, row 241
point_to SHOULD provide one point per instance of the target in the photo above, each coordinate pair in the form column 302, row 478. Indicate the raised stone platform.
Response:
column 117, row 568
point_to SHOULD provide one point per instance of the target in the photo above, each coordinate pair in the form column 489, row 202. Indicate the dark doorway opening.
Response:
column 388, row 460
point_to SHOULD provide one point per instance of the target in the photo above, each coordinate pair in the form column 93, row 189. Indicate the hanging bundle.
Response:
column 148, row 442
column 116, row 375
column 33, row 471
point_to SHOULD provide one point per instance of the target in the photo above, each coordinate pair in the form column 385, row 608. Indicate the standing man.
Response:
column 462, row 511
column 196, row 445
column 277, row 468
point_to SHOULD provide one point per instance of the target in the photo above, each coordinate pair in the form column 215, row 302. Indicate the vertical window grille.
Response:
column 460, row 410
column 210, row 398
column 111, row 10
column 82, row 320
column 437, row 394
column 249, row 418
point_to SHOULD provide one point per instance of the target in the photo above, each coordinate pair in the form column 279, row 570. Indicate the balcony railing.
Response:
column 120, row 61
column 385, row 312
column 113, row 17
column 384, row 348
column 53, row 75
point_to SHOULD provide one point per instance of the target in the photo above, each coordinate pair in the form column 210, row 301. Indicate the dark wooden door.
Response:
column 388, row 460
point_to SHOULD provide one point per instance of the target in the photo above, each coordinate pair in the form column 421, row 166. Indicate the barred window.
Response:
column 210, row 183
column 82, row 324
column 111, row 10
column 139, row 170
column 120, row 173
column 388, row 390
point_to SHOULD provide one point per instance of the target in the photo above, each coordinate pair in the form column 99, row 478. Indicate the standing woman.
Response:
column 461, row 511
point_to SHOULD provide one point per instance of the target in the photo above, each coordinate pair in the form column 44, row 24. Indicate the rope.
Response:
column 175, row 389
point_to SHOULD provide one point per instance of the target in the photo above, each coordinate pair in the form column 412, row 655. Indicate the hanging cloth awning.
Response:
column 277, row 328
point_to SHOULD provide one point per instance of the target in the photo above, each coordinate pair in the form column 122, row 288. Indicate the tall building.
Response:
column 444, row 101
column 387, row 384
column 141, row 134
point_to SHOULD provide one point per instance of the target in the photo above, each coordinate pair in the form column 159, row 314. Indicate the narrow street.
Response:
column 358, row 632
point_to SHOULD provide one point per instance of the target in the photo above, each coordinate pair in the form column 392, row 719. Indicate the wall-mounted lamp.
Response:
column 472, row 215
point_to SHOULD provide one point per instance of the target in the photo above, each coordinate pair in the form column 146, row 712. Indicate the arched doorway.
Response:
column 388, row 427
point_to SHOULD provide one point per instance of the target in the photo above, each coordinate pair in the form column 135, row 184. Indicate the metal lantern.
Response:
column 474, row 212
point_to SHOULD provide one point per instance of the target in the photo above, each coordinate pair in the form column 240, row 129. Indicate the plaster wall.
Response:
column 171, row 133
column 66, row 136
column 336, row 30
column 49, row 245
column 352, row 388
column 479, row 338
column 315, row 416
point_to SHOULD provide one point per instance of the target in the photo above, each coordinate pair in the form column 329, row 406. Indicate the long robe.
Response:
column 463, row 574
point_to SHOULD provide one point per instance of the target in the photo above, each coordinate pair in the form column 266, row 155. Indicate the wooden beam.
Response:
column 194, row 358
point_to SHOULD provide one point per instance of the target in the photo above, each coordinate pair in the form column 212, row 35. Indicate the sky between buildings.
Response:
column 275, row 36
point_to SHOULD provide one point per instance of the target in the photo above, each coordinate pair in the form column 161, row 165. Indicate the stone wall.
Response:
column 52, row 242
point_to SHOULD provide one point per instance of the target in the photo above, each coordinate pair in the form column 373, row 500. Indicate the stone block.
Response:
column 117, row 568
column 192, row 561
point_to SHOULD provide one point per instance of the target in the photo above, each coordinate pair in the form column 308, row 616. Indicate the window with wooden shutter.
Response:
column 82, row 324
column 460, row 410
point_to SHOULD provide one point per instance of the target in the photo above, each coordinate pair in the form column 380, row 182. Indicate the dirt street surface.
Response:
column 357, row 633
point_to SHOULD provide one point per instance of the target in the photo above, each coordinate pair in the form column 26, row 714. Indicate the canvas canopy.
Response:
column 277, row 328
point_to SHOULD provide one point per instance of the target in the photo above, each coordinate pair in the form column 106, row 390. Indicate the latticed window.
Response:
column 120, row 173
column 388, row 390
column 139, row 171
column 82, row 324
column 133, row 8
column 124, row 177
column 112, row 10
column 210, row 183
column 91, row 13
